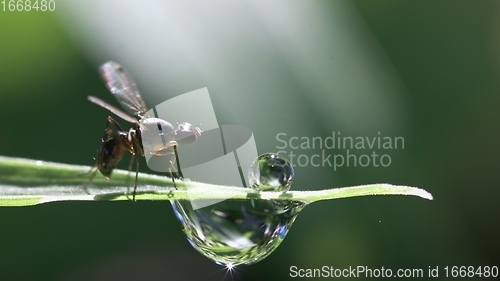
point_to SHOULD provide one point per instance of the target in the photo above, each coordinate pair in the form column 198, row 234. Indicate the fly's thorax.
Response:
column 157, row 135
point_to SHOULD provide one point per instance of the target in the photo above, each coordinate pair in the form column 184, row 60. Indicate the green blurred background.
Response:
column 424, row 70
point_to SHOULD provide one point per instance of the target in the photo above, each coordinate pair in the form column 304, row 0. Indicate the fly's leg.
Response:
column 129, row 169
column 93, row 173
column 179, row 172
column 134, row 158
column 136, row 176
column 175, row 162
column 172, row 162
column 172, row 177
column 137, row 151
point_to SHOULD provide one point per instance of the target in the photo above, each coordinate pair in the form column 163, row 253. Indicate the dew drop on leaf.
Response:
column 271, row 172
column 235, row 232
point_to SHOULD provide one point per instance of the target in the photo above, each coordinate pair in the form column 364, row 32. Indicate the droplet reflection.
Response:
column 235, row 232
column 271, row 172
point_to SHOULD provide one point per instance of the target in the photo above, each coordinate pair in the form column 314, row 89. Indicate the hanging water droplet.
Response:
column 235, row 232
column 271, row 172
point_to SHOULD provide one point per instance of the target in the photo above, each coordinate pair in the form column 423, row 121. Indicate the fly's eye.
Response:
column 186, row 133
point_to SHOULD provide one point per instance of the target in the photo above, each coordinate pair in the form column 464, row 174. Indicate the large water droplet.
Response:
column 236, row 232
column 271, row 172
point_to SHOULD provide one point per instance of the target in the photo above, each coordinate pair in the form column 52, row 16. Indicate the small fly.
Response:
column 160, row 136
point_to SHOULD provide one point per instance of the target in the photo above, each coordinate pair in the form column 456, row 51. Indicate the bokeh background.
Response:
column 424, row 70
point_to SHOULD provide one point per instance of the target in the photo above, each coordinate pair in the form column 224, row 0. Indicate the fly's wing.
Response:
column 123, row 87
column 113, row 109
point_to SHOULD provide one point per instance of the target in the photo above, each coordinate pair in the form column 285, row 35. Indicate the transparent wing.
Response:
column 123, row 87
column 113, row 109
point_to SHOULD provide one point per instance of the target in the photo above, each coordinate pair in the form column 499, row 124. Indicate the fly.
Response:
column 161, row 137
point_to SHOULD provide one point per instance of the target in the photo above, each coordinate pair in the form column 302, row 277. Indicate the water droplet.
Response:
column 235, row 232
column 271, row 172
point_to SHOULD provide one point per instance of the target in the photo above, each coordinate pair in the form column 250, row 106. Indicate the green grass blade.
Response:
column 25, row 182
